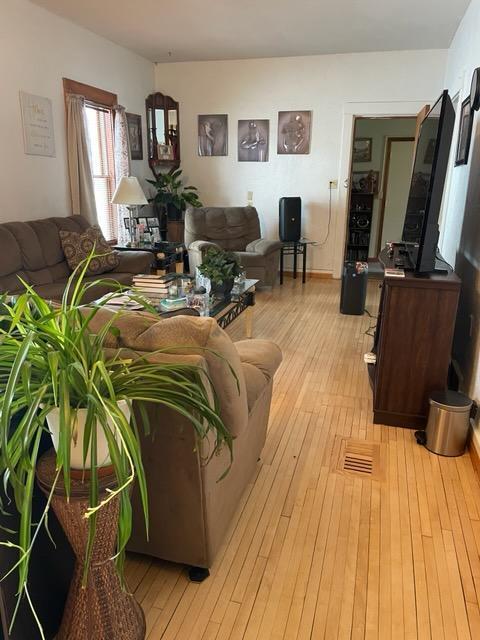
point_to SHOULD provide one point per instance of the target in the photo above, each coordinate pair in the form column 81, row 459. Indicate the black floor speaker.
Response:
column 290, row 219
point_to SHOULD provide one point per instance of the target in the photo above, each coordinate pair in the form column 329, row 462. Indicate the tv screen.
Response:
column 428, row 178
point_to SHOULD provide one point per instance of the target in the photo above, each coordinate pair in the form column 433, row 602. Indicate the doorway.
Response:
column 396, row 180
column 380, row 172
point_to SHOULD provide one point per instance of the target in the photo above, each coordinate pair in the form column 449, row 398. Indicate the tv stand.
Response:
column 413, row 342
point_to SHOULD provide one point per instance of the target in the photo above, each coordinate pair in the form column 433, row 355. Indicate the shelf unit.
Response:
column 359, row 226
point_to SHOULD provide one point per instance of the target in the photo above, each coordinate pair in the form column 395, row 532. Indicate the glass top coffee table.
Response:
column 242, row 300
column 225, row 311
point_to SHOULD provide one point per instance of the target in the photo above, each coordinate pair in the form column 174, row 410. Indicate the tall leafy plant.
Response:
column 49, row 358
column 171, row 191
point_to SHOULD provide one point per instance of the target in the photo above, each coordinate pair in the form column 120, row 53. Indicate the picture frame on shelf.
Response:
column 464, row 133
column 153, row 223
column 365, row 182
column 142, row 221
column 362, row 150
column 134, row 124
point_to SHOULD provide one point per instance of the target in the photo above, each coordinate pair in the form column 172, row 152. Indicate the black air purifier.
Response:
column 290, row 219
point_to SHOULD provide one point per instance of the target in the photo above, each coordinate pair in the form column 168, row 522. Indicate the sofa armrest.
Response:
column 202, row 245
column 265, row 355
column 196, row 249
column 263, row 247
column 134, row 262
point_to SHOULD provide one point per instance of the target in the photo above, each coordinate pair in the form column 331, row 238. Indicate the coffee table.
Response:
column 226, row 311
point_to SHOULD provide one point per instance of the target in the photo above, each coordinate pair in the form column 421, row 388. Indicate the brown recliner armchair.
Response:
column 190, row 507
column 234, row 229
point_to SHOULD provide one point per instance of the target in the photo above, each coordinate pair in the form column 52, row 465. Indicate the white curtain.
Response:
column 79, row 170
column 122, row 166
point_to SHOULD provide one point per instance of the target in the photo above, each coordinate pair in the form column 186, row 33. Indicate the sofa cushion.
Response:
column 78, row 246
column 10, row 254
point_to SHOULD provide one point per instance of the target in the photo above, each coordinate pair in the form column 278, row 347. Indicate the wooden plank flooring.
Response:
column 315, row 553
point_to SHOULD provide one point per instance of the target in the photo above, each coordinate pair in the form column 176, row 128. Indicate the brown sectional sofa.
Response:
column 33, row 251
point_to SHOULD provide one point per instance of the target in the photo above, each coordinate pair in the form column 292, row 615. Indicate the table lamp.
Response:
column 130, row 193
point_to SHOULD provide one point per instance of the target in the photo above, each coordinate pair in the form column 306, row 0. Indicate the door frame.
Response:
column 385, row 174
column 351, row 111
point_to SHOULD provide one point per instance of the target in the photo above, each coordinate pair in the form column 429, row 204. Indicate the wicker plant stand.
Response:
column 102, row 610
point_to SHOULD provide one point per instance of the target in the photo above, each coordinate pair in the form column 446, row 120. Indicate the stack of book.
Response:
column 153, row 287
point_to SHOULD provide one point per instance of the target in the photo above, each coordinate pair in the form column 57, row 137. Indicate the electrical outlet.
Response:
column 250, row 198
column 333, row 184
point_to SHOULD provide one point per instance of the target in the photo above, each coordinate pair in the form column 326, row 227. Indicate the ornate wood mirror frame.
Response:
column 163, row 133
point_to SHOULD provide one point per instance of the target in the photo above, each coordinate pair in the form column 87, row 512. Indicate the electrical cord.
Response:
column 329, row 215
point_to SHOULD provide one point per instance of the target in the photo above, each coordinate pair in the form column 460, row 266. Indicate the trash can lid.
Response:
column 451, row 400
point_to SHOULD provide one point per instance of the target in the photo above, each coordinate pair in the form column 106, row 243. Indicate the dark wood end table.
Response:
column 295, row 248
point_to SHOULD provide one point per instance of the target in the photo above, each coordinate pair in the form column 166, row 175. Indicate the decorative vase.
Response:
column 78, row 429
column 223, row 290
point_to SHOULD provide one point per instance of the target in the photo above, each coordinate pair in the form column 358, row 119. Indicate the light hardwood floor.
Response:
column 314, row 553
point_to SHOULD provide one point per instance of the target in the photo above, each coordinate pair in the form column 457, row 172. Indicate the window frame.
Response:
column 94, row 97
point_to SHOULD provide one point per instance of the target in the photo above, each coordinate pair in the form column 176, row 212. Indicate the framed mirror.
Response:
column 162, row 133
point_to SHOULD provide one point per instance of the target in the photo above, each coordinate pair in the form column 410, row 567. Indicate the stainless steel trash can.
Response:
column 448, row 423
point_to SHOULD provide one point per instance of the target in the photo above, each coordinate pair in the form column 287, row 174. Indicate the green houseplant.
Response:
column 172, row 195
column 221, row 267
column 51, row 364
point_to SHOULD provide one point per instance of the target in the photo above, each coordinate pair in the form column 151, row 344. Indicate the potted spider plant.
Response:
column 55, row 371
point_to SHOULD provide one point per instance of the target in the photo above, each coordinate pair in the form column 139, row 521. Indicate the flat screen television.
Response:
column 420, row 229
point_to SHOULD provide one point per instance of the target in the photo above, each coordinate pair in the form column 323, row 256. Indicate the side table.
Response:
column 102, row 610
column 295, row 248
column 169, row 256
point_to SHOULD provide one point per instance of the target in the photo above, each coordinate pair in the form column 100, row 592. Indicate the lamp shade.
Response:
column 129, row 191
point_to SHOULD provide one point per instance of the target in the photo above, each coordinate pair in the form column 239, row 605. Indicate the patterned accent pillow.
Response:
column 77, row 246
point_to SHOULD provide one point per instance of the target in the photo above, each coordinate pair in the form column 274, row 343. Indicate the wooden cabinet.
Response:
column 413, row 343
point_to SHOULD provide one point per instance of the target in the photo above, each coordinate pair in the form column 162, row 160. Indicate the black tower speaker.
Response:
column 290, row 219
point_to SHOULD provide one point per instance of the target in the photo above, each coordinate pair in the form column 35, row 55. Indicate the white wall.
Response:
column 379, row 129
column 461, row 218
column 38, row 49
column 259, row 89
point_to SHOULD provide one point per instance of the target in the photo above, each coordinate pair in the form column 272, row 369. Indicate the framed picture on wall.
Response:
column 213, row 135
column 134, row 123
column 253, row 139
column 365, row 181
column 294, row 132
column 362, row 150
column 464, row 133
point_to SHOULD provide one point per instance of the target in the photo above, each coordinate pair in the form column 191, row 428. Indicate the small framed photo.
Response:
column 126, row 222
column 362, row 150
column 134, row 124
column 464, row 133
column 142, row 221
column 365, row 182
column 153, row 223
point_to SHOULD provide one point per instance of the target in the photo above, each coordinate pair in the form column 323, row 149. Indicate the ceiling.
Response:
column 185, row 30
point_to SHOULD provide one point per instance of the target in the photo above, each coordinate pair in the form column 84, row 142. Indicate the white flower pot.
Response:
column 78, row 429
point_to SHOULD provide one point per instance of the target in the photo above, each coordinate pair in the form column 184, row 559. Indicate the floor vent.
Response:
column 359, row 458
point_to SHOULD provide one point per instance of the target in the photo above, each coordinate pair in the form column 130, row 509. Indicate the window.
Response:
column 99, row 121
column 99, row 124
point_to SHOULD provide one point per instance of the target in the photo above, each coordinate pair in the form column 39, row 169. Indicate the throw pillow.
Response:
column 78, row 246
